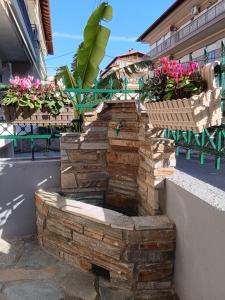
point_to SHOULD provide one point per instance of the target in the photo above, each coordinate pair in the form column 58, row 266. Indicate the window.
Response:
column 211, row 56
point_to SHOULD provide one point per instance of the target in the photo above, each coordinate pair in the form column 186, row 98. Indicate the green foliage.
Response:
column 64, row 74
column 174, row 81
column 154, row 88
column 48, row 98
column 185, row 87
column 85, row 64
column 92, row 50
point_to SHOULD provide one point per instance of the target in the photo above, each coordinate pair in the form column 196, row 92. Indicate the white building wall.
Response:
column 198, row 211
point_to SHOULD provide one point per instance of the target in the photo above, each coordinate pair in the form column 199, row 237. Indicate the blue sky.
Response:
column 130, row 19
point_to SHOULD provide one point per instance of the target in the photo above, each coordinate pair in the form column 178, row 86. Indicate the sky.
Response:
column 130, row 19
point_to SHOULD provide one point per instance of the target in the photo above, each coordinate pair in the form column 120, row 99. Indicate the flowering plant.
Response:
column 32, row 94
column 174, row 81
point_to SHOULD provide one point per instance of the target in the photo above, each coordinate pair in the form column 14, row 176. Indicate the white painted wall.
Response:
column 198, row 210
column 19, row 179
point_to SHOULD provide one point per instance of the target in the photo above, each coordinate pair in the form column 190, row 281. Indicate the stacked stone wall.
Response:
column 156, row 162
column 119, row 154
column 123, row 157
column 137, row 252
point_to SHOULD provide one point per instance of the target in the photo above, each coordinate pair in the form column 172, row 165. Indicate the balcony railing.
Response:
column 189, row 29
column 26, row 19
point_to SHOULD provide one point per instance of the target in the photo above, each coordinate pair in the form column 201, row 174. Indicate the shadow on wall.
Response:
column 19, row 179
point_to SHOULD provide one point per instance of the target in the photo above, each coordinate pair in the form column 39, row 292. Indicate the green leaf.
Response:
column 66, row 76
column 92, row 50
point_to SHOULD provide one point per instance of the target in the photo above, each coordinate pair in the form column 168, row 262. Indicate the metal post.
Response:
column 32, row 142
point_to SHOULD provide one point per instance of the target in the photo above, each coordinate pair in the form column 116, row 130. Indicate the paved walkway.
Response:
column 28, row 273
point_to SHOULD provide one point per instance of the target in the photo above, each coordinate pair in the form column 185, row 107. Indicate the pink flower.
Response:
column 37, row 84
column 165, row 69
column 15, row 81
column 31, row 78
column 173, row 62
column 163, row 61
column 33, row 97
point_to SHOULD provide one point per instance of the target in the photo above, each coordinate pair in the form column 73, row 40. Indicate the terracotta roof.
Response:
column 46, row 20
column 174, row 6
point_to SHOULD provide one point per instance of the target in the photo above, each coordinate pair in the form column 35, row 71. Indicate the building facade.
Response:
column 121, row 61
column 25, row 38
column 188, row 30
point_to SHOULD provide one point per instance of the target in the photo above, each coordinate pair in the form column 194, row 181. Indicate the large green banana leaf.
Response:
column 92, row 51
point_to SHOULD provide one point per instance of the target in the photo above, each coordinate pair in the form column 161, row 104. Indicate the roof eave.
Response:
column 46, row 20
column 174, row 6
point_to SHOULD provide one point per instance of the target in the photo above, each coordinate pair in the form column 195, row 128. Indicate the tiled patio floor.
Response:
column 28, row 273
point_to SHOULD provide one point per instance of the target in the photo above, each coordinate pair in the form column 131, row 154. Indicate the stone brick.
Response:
column 152, row 222
column 76, row 261
column 70, row 137
column 154, row 285
column 122, row 134
column 113, row 241
column 69, row 146
column 123, row 158
column 101, row 145
column 164, row 172
column 83, row 156
column 124, row 116
column 144, row 256
column 101, row 247
column 134, row 237
column 154, row 272
column 41, row 206
column 58, row 228
column 68, row 181
column 92, row 176
column 89, row 166
column 94, row 233
column 153, row 198
column 128, row 171
column 124, row 143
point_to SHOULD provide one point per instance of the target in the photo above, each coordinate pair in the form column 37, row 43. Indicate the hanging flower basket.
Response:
column 36, row 116
column 196, row 113
column 28, row 101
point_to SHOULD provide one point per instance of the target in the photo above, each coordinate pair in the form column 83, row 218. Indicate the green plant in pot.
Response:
column 25, row 96
column 174, row 81
column 179, row 98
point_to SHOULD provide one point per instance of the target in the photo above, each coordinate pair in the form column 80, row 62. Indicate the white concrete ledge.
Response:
column 204, row 191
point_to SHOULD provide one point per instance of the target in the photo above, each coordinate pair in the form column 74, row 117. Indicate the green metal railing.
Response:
column 83, row 99
column 211, row 142
column 88, row 98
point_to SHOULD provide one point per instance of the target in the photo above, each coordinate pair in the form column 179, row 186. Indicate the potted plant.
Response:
column 180, row 99
column 29, row 101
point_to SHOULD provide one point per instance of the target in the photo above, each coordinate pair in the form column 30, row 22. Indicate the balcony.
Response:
column 26, row 20
column 197, row 30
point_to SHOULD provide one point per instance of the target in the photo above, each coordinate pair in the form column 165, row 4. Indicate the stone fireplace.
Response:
column 106, row 216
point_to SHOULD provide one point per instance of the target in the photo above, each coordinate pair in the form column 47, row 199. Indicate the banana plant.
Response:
column 66, row 76
column 91, row 51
